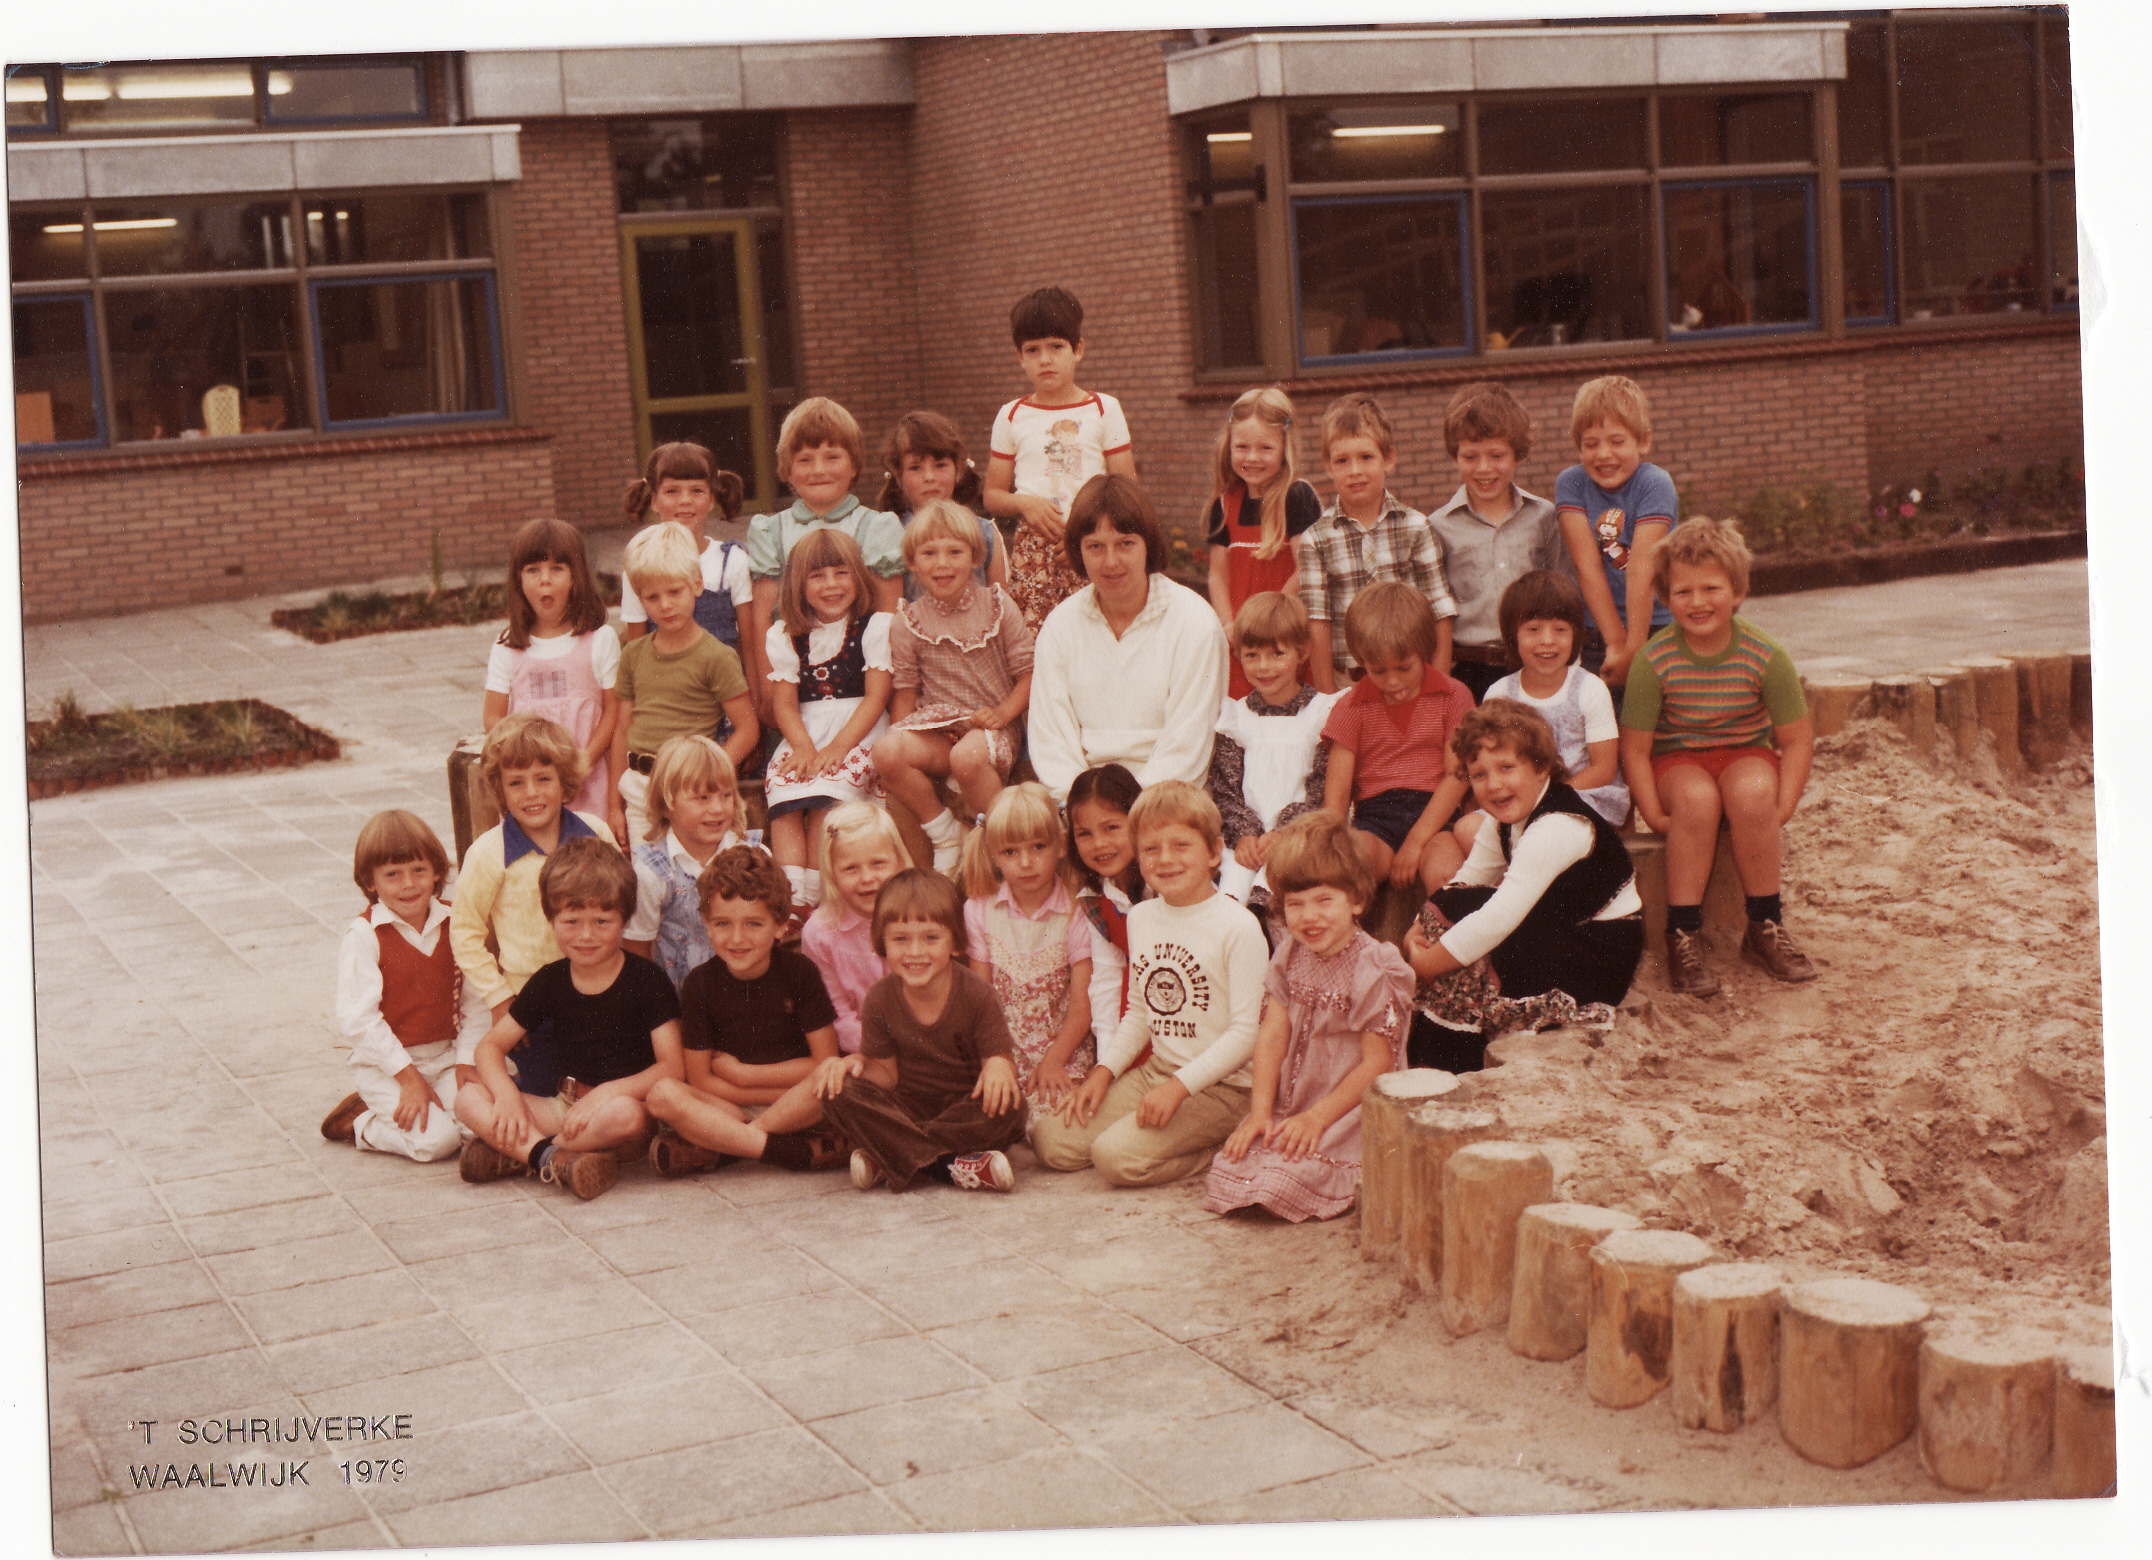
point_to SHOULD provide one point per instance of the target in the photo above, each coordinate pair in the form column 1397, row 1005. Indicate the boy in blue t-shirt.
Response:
column 1614, row 508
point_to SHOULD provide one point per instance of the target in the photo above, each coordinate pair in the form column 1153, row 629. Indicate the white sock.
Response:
column 943, row 828
column 806, row 886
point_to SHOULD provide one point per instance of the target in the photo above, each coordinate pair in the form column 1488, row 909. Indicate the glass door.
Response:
column 695, row 345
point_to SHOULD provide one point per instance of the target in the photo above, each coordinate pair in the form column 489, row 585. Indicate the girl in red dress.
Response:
column 1259, row 509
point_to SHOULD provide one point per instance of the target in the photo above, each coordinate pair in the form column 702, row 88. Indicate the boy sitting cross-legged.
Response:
column 754, row 1019
column 1714, row 724
column 616, row 1034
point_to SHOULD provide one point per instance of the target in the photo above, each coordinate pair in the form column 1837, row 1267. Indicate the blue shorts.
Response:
column 1390, row 815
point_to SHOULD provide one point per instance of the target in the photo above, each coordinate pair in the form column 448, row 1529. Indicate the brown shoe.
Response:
column 337, row 1125
column 672, row 1155
column 1767, row 944
column 481, row 1161
column 586, row 1173
column 1688, row 966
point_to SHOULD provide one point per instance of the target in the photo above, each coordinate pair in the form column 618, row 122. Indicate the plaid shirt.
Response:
column 1338, row 558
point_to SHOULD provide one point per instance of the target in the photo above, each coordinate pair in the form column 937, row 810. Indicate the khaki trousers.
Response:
column 1130, row 1155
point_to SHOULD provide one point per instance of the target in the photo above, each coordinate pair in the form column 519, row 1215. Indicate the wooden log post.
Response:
column 1724, row 1367
column 1995, row 697
column 1485, row 1188
column 1957, row 712
column 1551, row 1299
column 1833, row 700
column 1432, row 1134
column 1987, row 1405
column 1909, row 704
column 2043, row 704
column 2084, row 1422
column 1629, row 1341
column 1848, row 1369
column 2081, row 693
column 1383, row 1108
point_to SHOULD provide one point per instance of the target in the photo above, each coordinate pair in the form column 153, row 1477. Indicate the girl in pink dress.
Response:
column 861, row 850
column 1339, row 1006
column 558, row 656
column 1028, row 940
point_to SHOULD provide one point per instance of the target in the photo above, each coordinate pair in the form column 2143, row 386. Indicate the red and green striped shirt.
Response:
column 1733, row 699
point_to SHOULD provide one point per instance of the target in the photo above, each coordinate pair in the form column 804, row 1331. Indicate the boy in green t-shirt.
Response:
column 677, row 680
column 1714, row 725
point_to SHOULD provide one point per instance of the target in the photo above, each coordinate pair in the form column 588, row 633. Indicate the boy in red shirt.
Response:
column 1389, row 740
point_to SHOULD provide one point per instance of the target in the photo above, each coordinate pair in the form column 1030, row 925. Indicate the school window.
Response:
column 193, row 96
column 146, row 321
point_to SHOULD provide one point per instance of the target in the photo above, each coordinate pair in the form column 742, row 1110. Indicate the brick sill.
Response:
column 39, row 468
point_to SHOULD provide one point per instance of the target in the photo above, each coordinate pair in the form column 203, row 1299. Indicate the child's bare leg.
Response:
column 909, row 762
column 475, row 1109
column 788, row 839
column 618, row 1121
column 1467, row 830
column 813, row 822
column 798, row 1107
column 1691, row 799
column 974, row 771
column 1749, row 791
column 1440, row 861
column 1377, row 853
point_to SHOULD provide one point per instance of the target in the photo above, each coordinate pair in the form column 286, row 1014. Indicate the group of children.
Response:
column 1145, row 980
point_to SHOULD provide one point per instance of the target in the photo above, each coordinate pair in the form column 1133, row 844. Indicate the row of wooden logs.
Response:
column 2030, row 703
column 1852, row 1366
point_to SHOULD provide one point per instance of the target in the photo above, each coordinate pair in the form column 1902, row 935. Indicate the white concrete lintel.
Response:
column 151, row 167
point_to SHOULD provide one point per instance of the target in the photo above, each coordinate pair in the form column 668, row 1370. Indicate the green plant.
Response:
column 67, row 714
column 158, row 734
column 376, row 606
column 235, row 725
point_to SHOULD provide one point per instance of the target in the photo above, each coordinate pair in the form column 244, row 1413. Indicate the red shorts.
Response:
column 1712, row 761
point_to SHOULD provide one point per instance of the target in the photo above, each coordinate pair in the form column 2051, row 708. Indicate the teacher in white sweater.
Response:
column 1132, row 668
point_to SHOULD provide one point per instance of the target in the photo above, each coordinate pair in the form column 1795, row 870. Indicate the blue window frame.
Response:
column 1740, row 256
column 404, row 350
column 1381, row 278
column 1867, row 241
column 40, row 382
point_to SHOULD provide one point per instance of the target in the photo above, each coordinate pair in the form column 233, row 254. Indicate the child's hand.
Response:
column 1296, row 1136
column 1248, row 853
column 1405, row 865
column 1614, row 670
column 1084, row 1102
column 798, row 764
column 826, row 761
column 1421, row 953
column 989, row 719
column 1040, row 515
column 580, row 1115
column 616, row 819
column 996, row 1090
column 1247, row 1135
column 828, row 1077
column 1157, row 1106
column 413, row 1099
column 1050, row 1082
column 512, row 1125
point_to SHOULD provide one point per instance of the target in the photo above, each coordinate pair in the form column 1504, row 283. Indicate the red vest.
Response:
column 419, row 992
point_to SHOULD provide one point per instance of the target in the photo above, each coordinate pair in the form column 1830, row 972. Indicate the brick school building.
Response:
column 283, row 323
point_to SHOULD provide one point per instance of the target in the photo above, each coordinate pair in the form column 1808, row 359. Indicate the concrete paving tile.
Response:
column 345, row 1535
column 438, row 1397
column 1132, row 1261
column 122, row 1208
column 803, row 1324
column 332, row 1305
column 1005, row 1287
column 86, row 1256
column 858, row 1375
column 1499, row 1490
column 646, row 1357
column 128, row 1342
column 491, row 1454
column 410, row 1196
column 704, row 1287
column 1043, row 1338
column 492, row 1227
column 867, row 1246
column 246, row 1229
column 847, row 1515
column 76, row 1478
column 58, row 1149
column 1356, row 1495
column 200, row 1518
column 89, row 1530
column 639, row 1198
column 1214, row 1459
column 568, row 1316
column 899, row 1441
column 1058, row 1488
column 214, row 1384
column 640, row 1422
column 1120, row 1397
column 370, row 1352
column 131, row 1292
column 693, row 1490
column 222, row 1193
column 1373, row 1428
column 571, row 1508
column 711, row 1233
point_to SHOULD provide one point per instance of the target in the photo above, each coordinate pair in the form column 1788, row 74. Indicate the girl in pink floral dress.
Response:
column 1029, row 942
column 1337, row 1010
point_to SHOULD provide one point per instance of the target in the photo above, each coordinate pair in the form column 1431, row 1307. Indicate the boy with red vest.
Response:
column 413, row 1022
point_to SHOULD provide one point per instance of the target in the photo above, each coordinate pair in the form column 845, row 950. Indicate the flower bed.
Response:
column 342, row 615
column 74, row 751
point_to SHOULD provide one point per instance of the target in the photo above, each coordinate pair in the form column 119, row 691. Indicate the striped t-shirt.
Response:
column 1732, row 699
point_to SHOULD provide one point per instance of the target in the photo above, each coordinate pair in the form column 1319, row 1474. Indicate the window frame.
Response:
column 327, row 424
column 262, row 118
column 1807, row 187
column 1883, row 187
column 95, row 339
column 1467, row 302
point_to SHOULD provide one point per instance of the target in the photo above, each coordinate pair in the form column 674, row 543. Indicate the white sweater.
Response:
column 1195, row 990
column 1546, row 848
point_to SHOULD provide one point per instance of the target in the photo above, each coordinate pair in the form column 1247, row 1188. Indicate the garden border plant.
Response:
column 343, row 615
column 73, row 750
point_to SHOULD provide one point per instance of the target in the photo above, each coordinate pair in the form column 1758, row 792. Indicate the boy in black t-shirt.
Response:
column 616, row 1032
column 754, row 1020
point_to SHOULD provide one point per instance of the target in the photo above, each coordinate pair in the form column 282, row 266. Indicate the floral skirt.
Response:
column 1040, row 578
column 1471, row 999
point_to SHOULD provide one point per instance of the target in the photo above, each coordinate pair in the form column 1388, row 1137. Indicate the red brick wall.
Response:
column 251, row 523
column 1955, row 406
column 574, row 330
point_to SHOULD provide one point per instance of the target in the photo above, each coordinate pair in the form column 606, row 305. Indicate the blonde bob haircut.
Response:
column 1505, row 723
column 687, row 763
column 846, row 825
column 1273, row 408
column 1022, row 814
column 1270, row 620
column 1610, row 398
column 1176, row 801
column 389, row 839
column 823, row 547
column 1317, row 850
column 1389, row 620
column 586, row 873
column 817, row 421
column 916, row 894
column 1701, row 542
column 522, row 740
column 942, row 520
column 662, row 554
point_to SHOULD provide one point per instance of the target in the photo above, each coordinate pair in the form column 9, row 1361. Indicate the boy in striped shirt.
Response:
column 1714, row 725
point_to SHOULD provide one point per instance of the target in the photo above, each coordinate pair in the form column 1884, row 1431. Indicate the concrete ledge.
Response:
column 1877, row 565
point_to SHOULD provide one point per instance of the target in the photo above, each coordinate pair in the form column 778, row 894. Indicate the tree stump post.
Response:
column 1995, row 696
column 1550, row 1301
column 2084, row 1422
column 1909, row 704
column 2043, row 704
column 1485, row 1187
column 1957, row 711
column 1383, row 1108
column 1834, row 699
column 1432, row 1134
column 1849, row 1369
column 1724, row 1368
column 2081, row 693
column 1629, row 1342
column 1987, row 1405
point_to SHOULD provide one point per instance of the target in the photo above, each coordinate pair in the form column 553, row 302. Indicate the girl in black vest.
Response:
column 1542, row 926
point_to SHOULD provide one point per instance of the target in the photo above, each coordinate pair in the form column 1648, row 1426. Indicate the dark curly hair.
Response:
column 744, row 872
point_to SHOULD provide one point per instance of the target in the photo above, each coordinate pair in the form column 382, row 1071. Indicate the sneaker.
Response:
column 337, row 1126
column 481, row 1161
column 988, row 1172
column 1767, row 944
column 584, row 1173
column 672, row 1156
column 1688, row 968
column 866, row 1174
